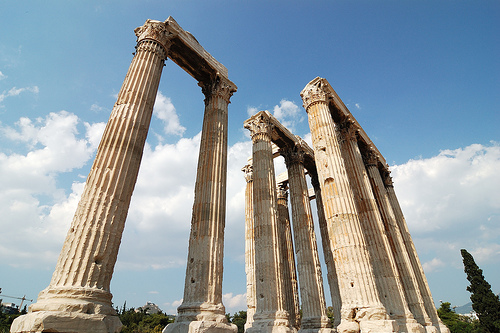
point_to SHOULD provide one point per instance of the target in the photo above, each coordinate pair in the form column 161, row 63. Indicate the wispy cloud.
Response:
column 16, row 91
column 165, row 110
column 2, row 76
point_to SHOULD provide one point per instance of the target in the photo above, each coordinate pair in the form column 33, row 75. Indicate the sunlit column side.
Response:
column 314, row 317
column 384, row 267
column 78, row 298
column 270, row 315
column 202, row 309
column 290, row 284
column 249, row 245
column 360, row 301
column 402, row 260
column 327, row 252
column 412, row 253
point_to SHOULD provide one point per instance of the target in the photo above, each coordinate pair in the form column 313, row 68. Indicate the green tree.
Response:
column 484, row 302
column 455, row 322
column 239, row 319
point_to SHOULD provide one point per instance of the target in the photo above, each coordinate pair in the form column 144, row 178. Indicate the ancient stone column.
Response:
column 327, row 251
column 386, row 274
column 78, row 298
column 412, row 253
column 402, row 260
column 361, row 306
column 314, row 317
column 289, row 277
column 202, row 309
column 249, row 245
column 270, row 315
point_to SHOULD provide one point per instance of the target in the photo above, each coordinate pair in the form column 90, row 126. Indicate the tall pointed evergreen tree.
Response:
column 484, row 301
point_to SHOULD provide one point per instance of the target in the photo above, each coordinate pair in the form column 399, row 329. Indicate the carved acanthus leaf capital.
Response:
column 314, row 92
column 370, row 157
column 218, row 87
column 248, row 170
column 388, row 180
column 292, row 155
column 259, row 125
column 348, row 130
column 281, row 191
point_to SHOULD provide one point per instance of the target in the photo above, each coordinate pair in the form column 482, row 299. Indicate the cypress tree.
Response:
column 484, row 302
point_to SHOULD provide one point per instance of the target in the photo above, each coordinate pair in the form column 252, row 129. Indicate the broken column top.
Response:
column 186, row 52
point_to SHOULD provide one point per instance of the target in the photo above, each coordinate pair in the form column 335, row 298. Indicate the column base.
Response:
column 414, row 327
column 271, row 322
column 200, row 327
column 431, row 329
column 443, row 328
column 67, row 322
column 317, row 330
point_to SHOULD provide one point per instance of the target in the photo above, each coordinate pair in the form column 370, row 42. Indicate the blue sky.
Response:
column 421, row 77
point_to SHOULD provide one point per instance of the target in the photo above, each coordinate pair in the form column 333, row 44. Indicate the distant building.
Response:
column 149, row 308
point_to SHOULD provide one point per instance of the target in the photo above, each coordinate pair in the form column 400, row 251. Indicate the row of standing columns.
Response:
column 376, row 280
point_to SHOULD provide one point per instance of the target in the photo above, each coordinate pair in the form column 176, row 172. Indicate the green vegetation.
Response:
column 455, row 322
column 141, row 322
column 484, row 302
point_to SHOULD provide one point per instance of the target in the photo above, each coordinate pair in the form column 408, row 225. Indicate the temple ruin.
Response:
column 78, row 299
column 376, row 280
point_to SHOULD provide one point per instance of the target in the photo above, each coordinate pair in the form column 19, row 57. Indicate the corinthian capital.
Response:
column 154, row 30
column 260, row 125
column 348, row 130
column 370, row 157
column 292, row 155
column 248, row 170
column 220, row 87
column 314, row 92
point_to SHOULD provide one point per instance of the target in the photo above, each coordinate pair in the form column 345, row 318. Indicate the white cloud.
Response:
column 97, row 108
column 432, row 265
column 234, row 303
column 16, row 91
column 165, row 110
column 252, row 110
column 289, row 114
column 450, row 202
column 31, row 202
column 357, row 106
column 2, row 76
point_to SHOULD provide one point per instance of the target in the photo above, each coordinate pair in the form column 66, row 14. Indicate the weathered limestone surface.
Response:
column 402, row 260
column 314, row 317
column 412, row 253
column 249, row 245
column 270, row 315
column 202, row 307
column 386, row 274
column 361, row 308
column 290, row 283
column 78, row 298
column 327, row 252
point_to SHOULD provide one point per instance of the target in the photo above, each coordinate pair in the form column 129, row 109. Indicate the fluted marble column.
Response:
column 402, row 260
column 327, row 251
column 202, row 309
column 314, row 317
column 361, row 306
column 384, row 267
column 270, row 315
column 290, row 284
column 249, row 245
column 412, row 253
column 78, row 298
